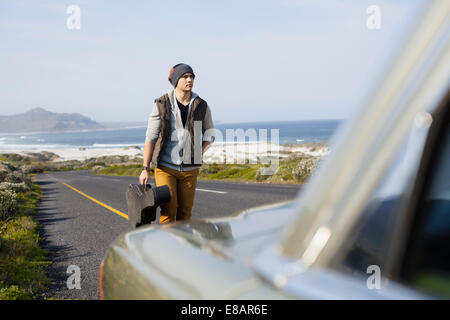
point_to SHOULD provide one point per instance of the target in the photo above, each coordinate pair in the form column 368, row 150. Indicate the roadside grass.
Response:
column 285, row 172
column 44, row 162
column 292, row 168
column 228, row 172
column 21, row 259
column 120, row 170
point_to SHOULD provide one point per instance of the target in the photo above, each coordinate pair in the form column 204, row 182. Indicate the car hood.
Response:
column 227, row 236
column 197, row 259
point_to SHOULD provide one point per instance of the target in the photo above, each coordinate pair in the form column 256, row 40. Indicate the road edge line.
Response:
column 123, row 215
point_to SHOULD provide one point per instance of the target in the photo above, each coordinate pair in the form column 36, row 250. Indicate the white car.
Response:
column 373, row 222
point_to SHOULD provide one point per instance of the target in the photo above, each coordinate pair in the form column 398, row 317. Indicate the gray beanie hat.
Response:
column 177, row 72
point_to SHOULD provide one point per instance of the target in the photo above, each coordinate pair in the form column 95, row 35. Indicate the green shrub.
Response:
column 132, row 170
column 16, row 187
column 8, row 204
column 231, row 171
column 209, row 168
column 13, row 293
column 21, row 259
column 261, row 177
column 304, row 168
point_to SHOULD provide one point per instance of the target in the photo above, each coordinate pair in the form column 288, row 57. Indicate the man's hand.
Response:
column 205, row 146
column 144, row 177
column 148, row 153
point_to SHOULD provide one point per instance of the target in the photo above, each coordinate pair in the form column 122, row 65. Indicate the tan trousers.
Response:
column 182, row 186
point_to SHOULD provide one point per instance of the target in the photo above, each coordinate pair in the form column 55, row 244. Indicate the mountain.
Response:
column 39, row 119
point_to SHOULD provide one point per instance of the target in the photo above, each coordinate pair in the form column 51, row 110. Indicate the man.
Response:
column 175, row 142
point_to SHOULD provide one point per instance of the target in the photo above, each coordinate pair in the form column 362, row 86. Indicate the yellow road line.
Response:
column 98, row 202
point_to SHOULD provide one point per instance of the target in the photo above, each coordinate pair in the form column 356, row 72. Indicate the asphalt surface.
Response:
column 78, row 231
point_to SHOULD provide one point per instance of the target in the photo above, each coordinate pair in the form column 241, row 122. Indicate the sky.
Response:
column 253, row 60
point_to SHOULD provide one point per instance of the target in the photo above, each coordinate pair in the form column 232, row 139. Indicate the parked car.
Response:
column 373, row 222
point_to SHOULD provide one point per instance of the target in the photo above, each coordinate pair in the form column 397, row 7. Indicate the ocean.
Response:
column 288, row 131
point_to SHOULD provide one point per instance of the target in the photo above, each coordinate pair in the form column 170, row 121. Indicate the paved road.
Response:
column 78, row 230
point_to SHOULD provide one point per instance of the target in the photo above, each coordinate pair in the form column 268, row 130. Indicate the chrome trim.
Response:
column 300, row 282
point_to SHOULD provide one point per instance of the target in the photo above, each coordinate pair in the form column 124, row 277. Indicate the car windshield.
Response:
column 413, row 84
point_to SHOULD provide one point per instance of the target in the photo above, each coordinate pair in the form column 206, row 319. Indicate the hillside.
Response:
column 39, row 119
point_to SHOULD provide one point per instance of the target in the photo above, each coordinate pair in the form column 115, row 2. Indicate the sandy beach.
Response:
column 253, row 152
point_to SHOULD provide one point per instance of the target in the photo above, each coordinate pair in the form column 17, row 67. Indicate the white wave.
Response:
column 5, row 146
column 32, row 146
column 100, row 145
column 242, row 142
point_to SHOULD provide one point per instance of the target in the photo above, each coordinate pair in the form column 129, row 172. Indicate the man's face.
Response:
column 186, row 82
